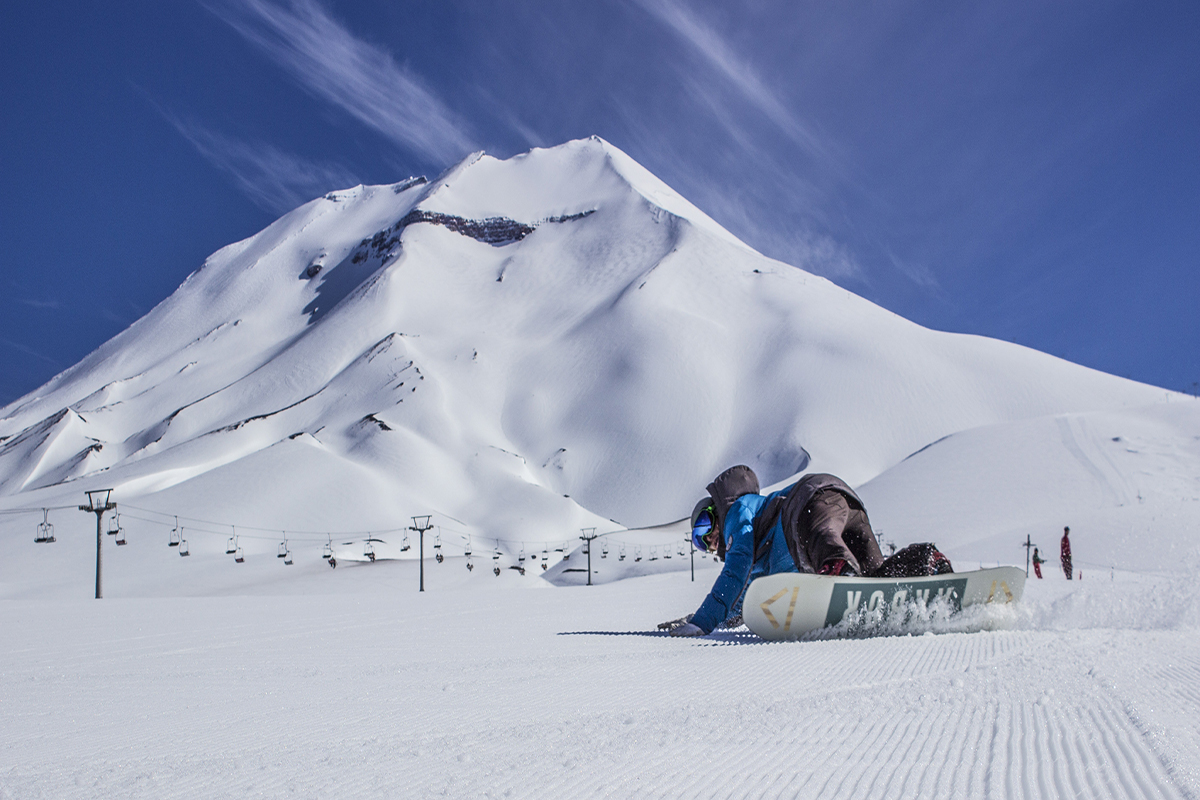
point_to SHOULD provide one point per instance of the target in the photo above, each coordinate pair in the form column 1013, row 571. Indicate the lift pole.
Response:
column 1028, row 545
column 98, row 503
column 693, row 549
column 589, row 534
column 420, row 525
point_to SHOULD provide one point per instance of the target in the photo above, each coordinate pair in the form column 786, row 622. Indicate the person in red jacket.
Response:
column 1037, row 564
column 1066, row 553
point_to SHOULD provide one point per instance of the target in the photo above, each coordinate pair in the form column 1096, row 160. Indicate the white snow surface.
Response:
column 597, row 372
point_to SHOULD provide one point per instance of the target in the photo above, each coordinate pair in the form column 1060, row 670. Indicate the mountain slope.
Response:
column 524, row 346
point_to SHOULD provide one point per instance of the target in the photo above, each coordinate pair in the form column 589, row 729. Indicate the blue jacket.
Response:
column 725, row 599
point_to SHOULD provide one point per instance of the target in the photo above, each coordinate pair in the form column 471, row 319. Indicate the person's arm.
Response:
column 739, row 541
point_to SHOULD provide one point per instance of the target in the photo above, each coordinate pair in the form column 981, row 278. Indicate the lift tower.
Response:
column 98, row 503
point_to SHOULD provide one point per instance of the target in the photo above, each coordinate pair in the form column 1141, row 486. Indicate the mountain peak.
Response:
column 527, row 345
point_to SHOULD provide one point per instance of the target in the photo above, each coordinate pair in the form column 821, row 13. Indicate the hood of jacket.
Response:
column 725, row 489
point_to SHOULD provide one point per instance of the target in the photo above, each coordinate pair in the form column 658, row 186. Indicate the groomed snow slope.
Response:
column 562, row 693
column 306, row 681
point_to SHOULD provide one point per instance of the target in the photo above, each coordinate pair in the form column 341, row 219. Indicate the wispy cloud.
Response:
column 920, row 274
column 774, row 212
column 47, row 304
column 785, row 211
column 274, row 180
column 788, row 239
column 717, row 53
column 332, row 64
column 29, row 351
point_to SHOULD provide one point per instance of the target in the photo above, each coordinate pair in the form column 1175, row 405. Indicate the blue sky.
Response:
column 1023, row 170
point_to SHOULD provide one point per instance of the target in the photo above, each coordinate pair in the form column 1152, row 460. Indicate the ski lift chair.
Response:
column 369, row 551
column 176, row 536
column 231, row 547
column 45, row 531
column 238, row 556
column 120, row 531
column 183, row 547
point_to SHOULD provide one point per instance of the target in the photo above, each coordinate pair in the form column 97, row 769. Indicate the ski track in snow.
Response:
column 540, row 695
column 1119, row 493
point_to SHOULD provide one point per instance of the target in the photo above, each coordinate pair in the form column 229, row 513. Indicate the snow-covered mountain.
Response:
column 520, row 349
column 526, row 347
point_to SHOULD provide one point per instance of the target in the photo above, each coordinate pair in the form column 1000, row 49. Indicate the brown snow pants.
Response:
column 830, row 527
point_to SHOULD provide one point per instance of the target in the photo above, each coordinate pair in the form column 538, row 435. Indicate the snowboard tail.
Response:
column 790, row 604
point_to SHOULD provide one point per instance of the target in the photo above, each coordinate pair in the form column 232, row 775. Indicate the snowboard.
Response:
column 788, row 605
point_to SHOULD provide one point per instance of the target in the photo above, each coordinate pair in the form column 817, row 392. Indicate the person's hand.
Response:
column 675, row 623
column 688, row 629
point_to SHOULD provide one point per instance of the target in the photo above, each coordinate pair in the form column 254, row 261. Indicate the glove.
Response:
column 688, row 629
column 675, row 623
column 837, row 567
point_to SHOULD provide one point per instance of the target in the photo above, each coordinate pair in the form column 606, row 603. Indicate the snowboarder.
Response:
column 1066, row 553
column 1037, row 564
column 817, row 524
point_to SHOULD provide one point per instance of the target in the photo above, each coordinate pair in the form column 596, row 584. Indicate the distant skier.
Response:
column 817, row 524
column 1037, row 564
column 1066, row 553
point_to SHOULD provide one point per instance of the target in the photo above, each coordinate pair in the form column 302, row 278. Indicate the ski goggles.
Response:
column 704, row 536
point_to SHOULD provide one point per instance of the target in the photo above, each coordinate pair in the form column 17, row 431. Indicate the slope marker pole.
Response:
column 693, row 549
column 1028, row 545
